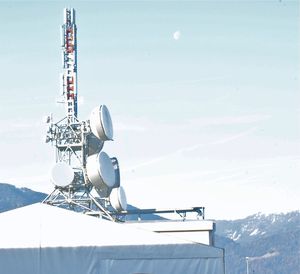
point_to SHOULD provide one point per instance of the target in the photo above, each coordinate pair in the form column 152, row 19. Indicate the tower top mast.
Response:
column 69, row 55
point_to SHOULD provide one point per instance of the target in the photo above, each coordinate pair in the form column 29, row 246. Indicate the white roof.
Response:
column 42, row 225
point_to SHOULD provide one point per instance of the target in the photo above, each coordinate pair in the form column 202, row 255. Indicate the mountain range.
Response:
column 271, row 242
column 12, row 197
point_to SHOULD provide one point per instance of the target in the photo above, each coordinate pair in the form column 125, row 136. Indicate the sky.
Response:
column 204, row 98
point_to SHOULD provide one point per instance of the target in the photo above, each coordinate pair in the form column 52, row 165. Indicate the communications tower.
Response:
column 85, row 178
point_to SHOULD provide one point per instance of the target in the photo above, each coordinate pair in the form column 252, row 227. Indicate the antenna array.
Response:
column 86, row 179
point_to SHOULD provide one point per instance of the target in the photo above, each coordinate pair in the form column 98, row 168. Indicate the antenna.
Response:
column 69, row 54
column 81, row 167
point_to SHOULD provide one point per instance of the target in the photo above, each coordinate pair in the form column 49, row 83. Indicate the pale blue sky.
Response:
column 209, row 119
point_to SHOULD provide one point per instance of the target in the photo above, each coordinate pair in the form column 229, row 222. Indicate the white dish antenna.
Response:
column 101, row 124
column 62, row 174
column 101, row 173
column 118, row 199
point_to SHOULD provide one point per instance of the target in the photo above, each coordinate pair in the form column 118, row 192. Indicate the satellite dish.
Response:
column 118, row 199
column 94, row 145
column 101, row 124
column 62, row 174
column 115, row 163
column 101, row 173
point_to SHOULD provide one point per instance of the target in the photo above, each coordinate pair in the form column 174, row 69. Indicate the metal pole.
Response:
column 247, row 264
column 69, row 54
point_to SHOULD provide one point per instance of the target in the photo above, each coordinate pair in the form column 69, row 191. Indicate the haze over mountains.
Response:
column 272, row 242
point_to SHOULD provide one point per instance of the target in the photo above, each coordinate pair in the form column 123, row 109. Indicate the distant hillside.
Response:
column 259, row 225
column 12, row 197
column 272, row 243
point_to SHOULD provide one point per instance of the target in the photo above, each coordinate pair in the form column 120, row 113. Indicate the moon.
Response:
column 177, row 35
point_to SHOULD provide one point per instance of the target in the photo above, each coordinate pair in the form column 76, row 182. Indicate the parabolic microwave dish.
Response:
column 101, row 124
column 101, row 173
column 118, row 199
column 62, row 174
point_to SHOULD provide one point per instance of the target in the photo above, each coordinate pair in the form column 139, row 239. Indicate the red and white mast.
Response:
column 69, row 54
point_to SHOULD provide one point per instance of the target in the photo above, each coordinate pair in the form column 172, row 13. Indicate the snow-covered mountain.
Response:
column 271, row 243
column 259, row 225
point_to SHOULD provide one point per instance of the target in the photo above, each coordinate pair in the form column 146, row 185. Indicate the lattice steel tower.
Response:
column 81, row 167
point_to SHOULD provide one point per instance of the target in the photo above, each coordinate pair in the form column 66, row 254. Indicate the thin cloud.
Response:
column 26, row 124
column 229, row 120
column 128, row 127
column 218, row 142
column 138, row 125
column 234, row 137
column 182, row 83
column 192, row 148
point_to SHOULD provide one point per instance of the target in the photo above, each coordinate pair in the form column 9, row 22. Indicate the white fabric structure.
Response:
column 42, row 239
